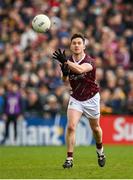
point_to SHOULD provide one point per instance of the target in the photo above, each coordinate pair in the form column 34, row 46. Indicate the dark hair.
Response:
column 78, row 36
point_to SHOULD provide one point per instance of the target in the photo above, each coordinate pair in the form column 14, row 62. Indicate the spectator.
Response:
column 2, row 91
column 34, row 106
column 118, row 101
column 106, row 102
column 52, row 107
column 13, row 109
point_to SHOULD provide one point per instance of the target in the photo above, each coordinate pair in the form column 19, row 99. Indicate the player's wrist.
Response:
column 64, row 78
column 66, row 62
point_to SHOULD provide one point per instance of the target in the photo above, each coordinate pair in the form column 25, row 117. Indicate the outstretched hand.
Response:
column 60, row 56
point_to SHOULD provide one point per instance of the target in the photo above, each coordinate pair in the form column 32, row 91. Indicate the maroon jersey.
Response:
column 84, row 85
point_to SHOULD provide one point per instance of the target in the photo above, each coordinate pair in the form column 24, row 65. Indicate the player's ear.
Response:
column 84, row 47
column 70, row 48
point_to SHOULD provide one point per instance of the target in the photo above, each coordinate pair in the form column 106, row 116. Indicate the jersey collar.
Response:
column 78, row 62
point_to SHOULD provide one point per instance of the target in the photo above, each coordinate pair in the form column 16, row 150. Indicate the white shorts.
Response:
column 90, row 108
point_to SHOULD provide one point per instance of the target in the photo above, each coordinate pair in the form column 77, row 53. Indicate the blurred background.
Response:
column 28, row 73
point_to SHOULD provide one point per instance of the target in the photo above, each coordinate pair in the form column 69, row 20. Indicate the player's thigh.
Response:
column 73, row 116
column 92, row 107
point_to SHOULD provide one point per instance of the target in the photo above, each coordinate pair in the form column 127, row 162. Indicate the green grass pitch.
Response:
column 46, row 163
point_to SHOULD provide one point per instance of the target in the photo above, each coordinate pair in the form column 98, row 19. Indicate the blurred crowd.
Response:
column 26, row 56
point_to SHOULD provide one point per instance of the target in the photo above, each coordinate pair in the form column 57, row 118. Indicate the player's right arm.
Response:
column 65, row 78
column 79, row 69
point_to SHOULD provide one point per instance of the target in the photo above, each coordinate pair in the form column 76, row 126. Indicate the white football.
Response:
column 41, row 23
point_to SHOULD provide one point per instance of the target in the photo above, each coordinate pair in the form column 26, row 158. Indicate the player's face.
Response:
column 77, row 46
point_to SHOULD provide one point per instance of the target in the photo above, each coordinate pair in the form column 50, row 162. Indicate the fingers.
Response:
column 57, row 59
column 60, row 56
column 59, row 51
column 54, row 57
column 64, row 53
column 55, row 53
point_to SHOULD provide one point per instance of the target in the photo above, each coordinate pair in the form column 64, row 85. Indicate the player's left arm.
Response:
column 79, row 69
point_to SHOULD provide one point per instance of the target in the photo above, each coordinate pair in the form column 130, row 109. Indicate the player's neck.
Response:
column 78, row 57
